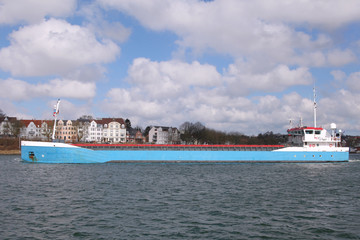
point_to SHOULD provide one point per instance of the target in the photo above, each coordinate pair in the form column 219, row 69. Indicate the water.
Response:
column 179, row 201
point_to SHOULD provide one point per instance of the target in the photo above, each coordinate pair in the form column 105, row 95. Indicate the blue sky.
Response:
column 234, row 65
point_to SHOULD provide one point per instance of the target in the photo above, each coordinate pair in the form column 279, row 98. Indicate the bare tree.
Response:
column 2, row 114
column 191, row 132
column 16, row 127
column 48, row 131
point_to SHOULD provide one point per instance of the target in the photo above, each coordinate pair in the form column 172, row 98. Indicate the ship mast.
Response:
column 56, row 112
column 314, row 106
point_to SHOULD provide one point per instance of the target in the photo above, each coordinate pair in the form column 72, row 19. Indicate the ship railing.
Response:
column 179, row 148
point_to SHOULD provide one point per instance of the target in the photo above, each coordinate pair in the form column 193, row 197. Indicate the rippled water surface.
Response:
column 179, row 201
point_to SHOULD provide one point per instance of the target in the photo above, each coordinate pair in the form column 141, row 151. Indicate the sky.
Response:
column 233, row 65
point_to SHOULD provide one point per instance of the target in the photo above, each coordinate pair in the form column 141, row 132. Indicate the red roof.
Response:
column 304, row 128
column 36, row 122
column 109, row 120
column 10, row 119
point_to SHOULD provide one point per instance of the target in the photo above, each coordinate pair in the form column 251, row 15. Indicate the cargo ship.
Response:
column 305, row 144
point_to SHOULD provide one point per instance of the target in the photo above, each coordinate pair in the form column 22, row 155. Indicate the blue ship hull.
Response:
column 64, row 153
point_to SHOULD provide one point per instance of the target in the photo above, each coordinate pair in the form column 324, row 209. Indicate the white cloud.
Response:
column 241, row 81
column 54, row 47
column 329, row 14
column 343, row 108
column 324, row 13
column 353, row 82
column 12, row 110
column 265, row 31
column 173, row 92
column 337, row 57
column 32, row 11
column 88, row 73
column 113, row 30
column 20, row 90
column 68, row 110
column 220, row 110
column 236, row 113
column 171, row 79
column 338, row 75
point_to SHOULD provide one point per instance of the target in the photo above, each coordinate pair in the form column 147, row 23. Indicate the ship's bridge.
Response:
column 313, row 137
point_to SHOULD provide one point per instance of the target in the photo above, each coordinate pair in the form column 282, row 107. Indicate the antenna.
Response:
column 315, row 106
column 291, row 123
column 56, row 112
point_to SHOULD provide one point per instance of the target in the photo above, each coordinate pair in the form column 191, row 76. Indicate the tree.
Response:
column 192, row 132
column 16, row 127
column 2, row 114
column 49, row 130
column 147, row 130
column 79, row 128
column 128, row 124
column 138, row 128
column 85, row 117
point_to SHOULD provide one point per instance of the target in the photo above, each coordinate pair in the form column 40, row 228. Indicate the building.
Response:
column 7, row 126
column 94, row 132
column 83, row 125
column 164, row 135
column 66, row 131
column 107, row 130
column 135, row 136
column 36, row 129
column 114, row 130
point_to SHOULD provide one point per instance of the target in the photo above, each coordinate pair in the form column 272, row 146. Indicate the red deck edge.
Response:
column 305, row 128
column 165, row 145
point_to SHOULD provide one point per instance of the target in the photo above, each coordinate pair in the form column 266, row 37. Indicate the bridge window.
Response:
column 309, row 131
column 317, row 132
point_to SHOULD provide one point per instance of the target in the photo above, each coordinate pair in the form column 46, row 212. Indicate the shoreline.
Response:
column 10, row 152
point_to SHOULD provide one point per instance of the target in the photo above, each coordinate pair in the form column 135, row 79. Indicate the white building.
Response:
column 36, row 129
column 108, row 130
column 94, row 132
column 114, row 130
column 164, row 135
column 6, row 126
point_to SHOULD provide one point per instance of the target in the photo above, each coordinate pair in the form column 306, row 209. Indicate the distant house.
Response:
column 7, row 126
column 135, row 136
column 83, row 125
column 95, row 132
column 164, row 135
column 114, row 130
column 108, row 130
column 36, row 129
column 66, row 131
